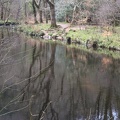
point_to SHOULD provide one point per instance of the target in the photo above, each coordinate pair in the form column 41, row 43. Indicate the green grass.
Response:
column 35, row 28
column 1, row 21
column 99, row 51
column 105, row 36
column 94, row 33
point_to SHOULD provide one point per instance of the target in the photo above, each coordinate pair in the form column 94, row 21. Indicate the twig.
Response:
column 33, row 115
column 14, row 111
column 35, row 75
column 7, row 52
column 42, row 116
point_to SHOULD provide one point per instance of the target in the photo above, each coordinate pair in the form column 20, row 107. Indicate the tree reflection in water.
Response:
column 46, row 81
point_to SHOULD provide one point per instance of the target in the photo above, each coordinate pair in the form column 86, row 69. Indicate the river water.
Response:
column 48, row 81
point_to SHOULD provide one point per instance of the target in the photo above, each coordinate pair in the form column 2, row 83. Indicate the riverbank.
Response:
column 103, row 37
column 8, row 23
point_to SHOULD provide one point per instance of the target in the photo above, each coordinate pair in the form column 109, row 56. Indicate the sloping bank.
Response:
column 92, row 37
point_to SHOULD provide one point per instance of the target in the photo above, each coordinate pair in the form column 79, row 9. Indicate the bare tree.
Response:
column 52, row 10
column 109, row 12
column 5, row 9
column 38, row 6
column 34, row 11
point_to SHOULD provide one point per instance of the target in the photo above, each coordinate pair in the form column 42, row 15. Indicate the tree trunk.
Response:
column 40, row 16
column 52, row 10
column 38, row 6
column 34, row 12
column 46, row 16
column 25, row 12
column 53, row 20
column 67, row 20
column 45, row 11
column 1, row 13
column 73, row 22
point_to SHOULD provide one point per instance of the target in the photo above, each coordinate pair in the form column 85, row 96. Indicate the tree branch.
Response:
column 50, row 3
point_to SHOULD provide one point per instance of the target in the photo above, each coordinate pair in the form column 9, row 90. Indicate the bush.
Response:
column 64, row 9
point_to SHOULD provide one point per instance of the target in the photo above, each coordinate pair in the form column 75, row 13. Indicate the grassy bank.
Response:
column 105, row 36
column 35, row 27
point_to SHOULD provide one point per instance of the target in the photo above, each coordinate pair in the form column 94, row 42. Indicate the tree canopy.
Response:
column 73, row 11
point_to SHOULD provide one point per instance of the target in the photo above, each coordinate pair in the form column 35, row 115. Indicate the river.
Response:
column 49, row 81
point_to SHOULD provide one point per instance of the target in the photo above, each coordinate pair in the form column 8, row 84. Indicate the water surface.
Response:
column 49, row 81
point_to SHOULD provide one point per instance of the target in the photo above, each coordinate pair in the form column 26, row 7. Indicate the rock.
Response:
column 36, row 34
column 41, row 34
column 27, row 33
column 54, row 36
column 102, row 46
column 32, row 34
column 20, row 29
column 59, row 38
column 112, row 48
column 90, row 44
column 76, row 42
column 47, row 37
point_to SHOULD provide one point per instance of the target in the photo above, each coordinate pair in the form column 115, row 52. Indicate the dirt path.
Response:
column 64, row 25
column 67, row 26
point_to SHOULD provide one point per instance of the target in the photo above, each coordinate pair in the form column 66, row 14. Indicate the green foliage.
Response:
column 1, row 21
column 62, row 9
column 93, row 33
column 37, row 27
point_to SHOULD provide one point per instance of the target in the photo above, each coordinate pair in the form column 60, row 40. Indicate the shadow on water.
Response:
column 45, row 81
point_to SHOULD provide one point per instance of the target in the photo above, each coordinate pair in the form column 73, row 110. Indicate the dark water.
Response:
column 44, row 81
